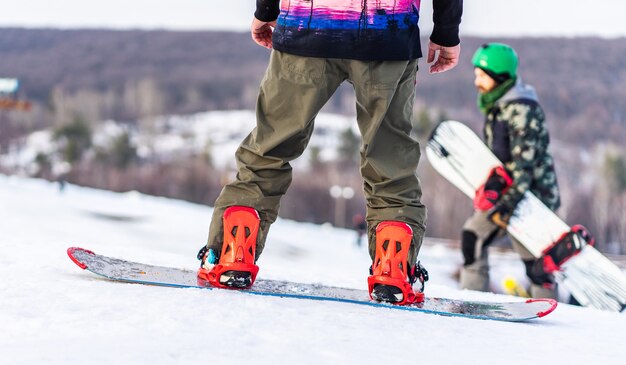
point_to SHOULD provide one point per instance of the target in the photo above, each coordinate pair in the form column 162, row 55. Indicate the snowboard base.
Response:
column 133, row 272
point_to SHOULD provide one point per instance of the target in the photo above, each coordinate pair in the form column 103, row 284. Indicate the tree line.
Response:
column 126, row 75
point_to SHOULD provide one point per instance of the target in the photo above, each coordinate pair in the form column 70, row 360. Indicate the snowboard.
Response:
column 134, row 272
column 460, row 156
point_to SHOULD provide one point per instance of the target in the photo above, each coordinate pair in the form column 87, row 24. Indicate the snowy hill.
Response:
column 53, row 312
column 222, row 131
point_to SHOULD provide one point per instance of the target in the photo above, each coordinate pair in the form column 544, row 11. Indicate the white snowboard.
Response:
column 460, row 156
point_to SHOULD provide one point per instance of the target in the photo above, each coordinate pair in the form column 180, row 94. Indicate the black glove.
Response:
column 535, row 270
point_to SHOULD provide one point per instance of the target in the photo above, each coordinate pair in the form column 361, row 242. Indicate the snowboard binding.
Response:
column 235, row 266
column 567, row 246
column 391, row 277
column 488, row 194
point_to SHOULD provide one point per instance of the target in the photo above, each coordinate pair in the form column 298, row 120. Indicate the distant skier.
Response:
column 316, row 48
column 360, row 226
column 515, row 130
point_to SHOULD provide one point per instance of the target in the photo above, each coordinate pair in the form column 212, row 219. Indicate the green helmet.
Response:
column 498, row 60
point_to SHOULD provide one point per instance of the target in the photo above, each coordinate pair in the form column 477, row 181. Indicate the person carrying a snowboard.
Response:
column 515, row 130
column 315, row 48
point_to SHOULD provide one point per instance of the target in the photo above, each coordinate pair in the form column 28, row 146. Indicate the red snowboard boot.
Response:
column 235, row 267
column 392, row 277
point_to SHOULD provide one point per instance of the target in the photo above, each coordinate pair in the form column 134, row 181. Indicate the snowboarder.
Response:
column 515, row 130
column 315, row 49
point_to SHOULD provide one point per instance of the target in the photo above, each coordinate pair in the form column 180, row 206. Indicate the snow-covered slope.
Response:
column 53, row 312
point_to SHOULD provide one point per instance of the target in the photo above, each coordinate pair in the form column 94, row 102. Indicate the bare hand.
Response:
column 262, row 32
column 447, row 57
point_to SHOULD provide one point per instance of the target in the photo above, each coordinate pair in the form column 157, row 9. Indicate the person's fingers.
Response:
column 447, row 58
column 431, row 52
column 260, row 37
column 435, row 68
column 440, row 66
column 262, row 33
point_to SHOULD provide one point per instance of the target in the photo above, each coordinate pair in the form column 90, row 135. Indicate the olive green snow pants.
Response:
column 478, row 234
column 292, row 92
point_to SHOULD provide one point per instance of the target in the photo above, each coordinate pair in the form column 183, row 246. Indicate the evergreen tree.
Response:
column 122, row 151
column 350, row 144
column 75, row 139
column 315, row 160
column 615, row 171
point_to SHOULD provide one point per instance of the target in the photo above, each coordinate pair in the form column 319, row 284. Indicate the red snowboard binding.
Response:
column 488, row 194
column 390, row 271
column 235, row 268
column 567, row 246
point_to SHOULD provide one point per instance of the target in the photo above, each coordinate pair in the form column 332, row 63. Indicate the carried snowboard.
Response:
column 133, row 272
column 460, row 156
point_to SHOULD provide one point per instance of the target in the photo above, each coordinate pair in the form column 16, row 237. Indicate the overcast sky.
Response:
column 482, row 17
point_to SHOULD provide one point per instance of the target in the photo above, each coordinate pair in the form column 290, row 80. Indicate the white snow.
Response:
column 217, row 132
column 53, row 312
column 221, row 132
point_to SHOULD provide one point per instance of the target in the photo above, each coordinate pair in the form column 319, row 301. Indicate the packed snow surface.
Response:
column 53, row 312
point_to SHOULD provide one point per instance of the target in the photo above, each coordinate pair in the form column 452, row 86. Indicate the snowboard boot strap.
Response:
column 584, row 233
column 567, row 246
column 236, row 265
column 389, row 280
column 488, row 194
column 202, row 253
column 418, row 273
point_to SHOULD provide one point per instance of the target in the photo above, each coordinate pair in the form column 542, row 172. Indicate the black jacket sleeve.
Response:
column 446, row 19
column 267, row 10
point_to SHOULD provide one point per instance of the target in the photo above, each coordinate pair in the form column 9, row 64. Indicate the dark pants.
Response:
column 478, row 233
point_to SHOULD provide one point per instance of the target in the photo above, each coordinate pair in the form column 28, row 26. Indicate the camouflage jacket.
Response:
column 516, row 132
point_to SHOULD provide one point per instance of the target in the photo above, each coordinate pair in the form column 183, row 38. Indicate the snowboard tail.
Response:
column 133, row 272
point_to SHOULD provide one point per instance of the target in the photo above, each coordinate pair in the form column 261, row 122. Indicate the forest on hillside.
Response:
column 129, row 74
column 79, row 78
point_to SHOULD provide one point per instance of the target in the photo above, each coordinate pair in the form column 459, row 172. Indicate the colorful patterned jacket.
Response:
column 515, row 130
column 358, row 29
